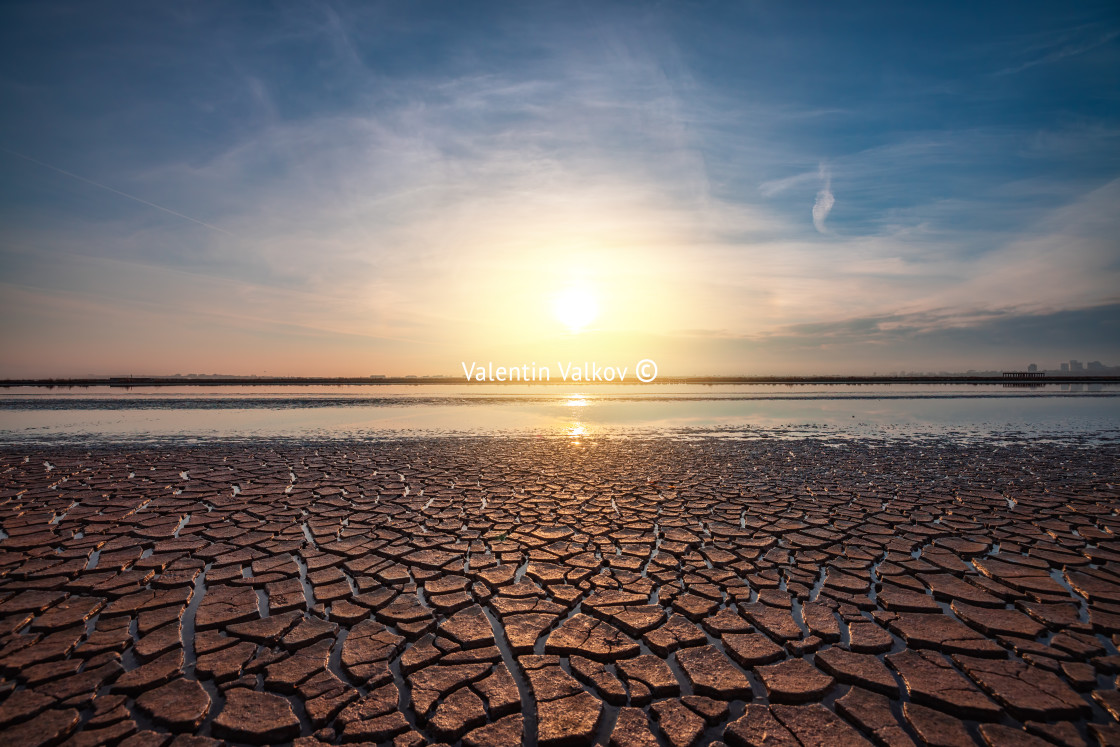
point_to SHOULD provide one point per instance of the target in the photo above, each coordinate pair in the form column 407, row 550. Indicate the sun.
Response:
column 575, row 307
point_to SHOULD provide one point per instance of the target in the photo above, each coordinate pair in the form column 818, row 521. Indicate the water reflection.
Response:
column 845, row 411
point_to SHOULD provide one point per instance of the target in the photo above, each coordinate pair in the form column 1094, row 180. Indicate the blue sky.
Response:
column 333, row 188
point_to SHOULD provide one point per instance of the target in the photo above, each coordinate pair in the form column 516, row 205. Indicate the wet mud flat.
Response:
column 542, row 592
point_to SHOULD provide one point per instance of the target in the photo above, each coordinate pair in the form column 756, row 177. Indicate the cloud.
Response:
column 948, row 339
column 825, row 200
column 1060, row 53
column 107, row 188
column 777, row 186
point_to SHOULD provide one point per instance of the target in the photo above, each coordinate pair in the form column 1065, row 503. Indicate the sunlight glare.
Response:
column 575, row 307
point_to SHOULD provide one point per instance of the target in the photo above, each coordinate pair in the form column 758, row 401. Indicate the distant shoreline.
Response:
column 170, row 381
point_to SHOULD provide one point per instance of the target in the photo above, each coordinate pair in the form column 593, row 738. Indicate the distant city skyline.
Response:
column 747, row 188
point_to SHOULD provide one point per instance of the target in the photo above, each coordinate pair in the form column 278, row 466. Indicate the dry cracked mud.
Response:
column 539, row 592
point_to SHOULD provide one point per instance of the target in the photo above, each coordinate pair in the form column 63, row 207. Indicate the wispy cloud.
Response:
column 1063, row 49
column 941, row 340
column 778, row 186
column 107, row 188
column 825, row 200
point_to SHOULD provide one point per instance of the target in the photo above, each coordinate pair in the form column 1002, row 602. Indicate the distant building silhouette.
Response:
column 1032, row 367
column 1065, row 368
column 1075, row 366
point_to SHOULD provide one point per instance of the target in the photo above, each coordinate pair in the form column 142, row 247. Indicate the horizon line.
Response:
column 1014, row 377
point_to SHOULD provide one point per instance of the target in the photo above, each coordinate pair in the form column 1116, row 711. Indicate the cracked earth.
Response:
column 536, row 592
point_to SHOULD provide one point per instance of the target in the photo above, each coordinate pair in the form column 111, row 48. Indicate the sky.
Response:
column 752, row 188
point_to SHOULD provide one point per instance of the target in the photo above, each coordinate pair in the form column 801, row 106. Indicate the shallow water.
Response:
column 101, row 415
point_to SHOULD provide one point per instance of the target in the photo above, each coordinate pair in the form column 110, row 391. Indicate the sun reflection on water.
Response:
column 575, row 429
